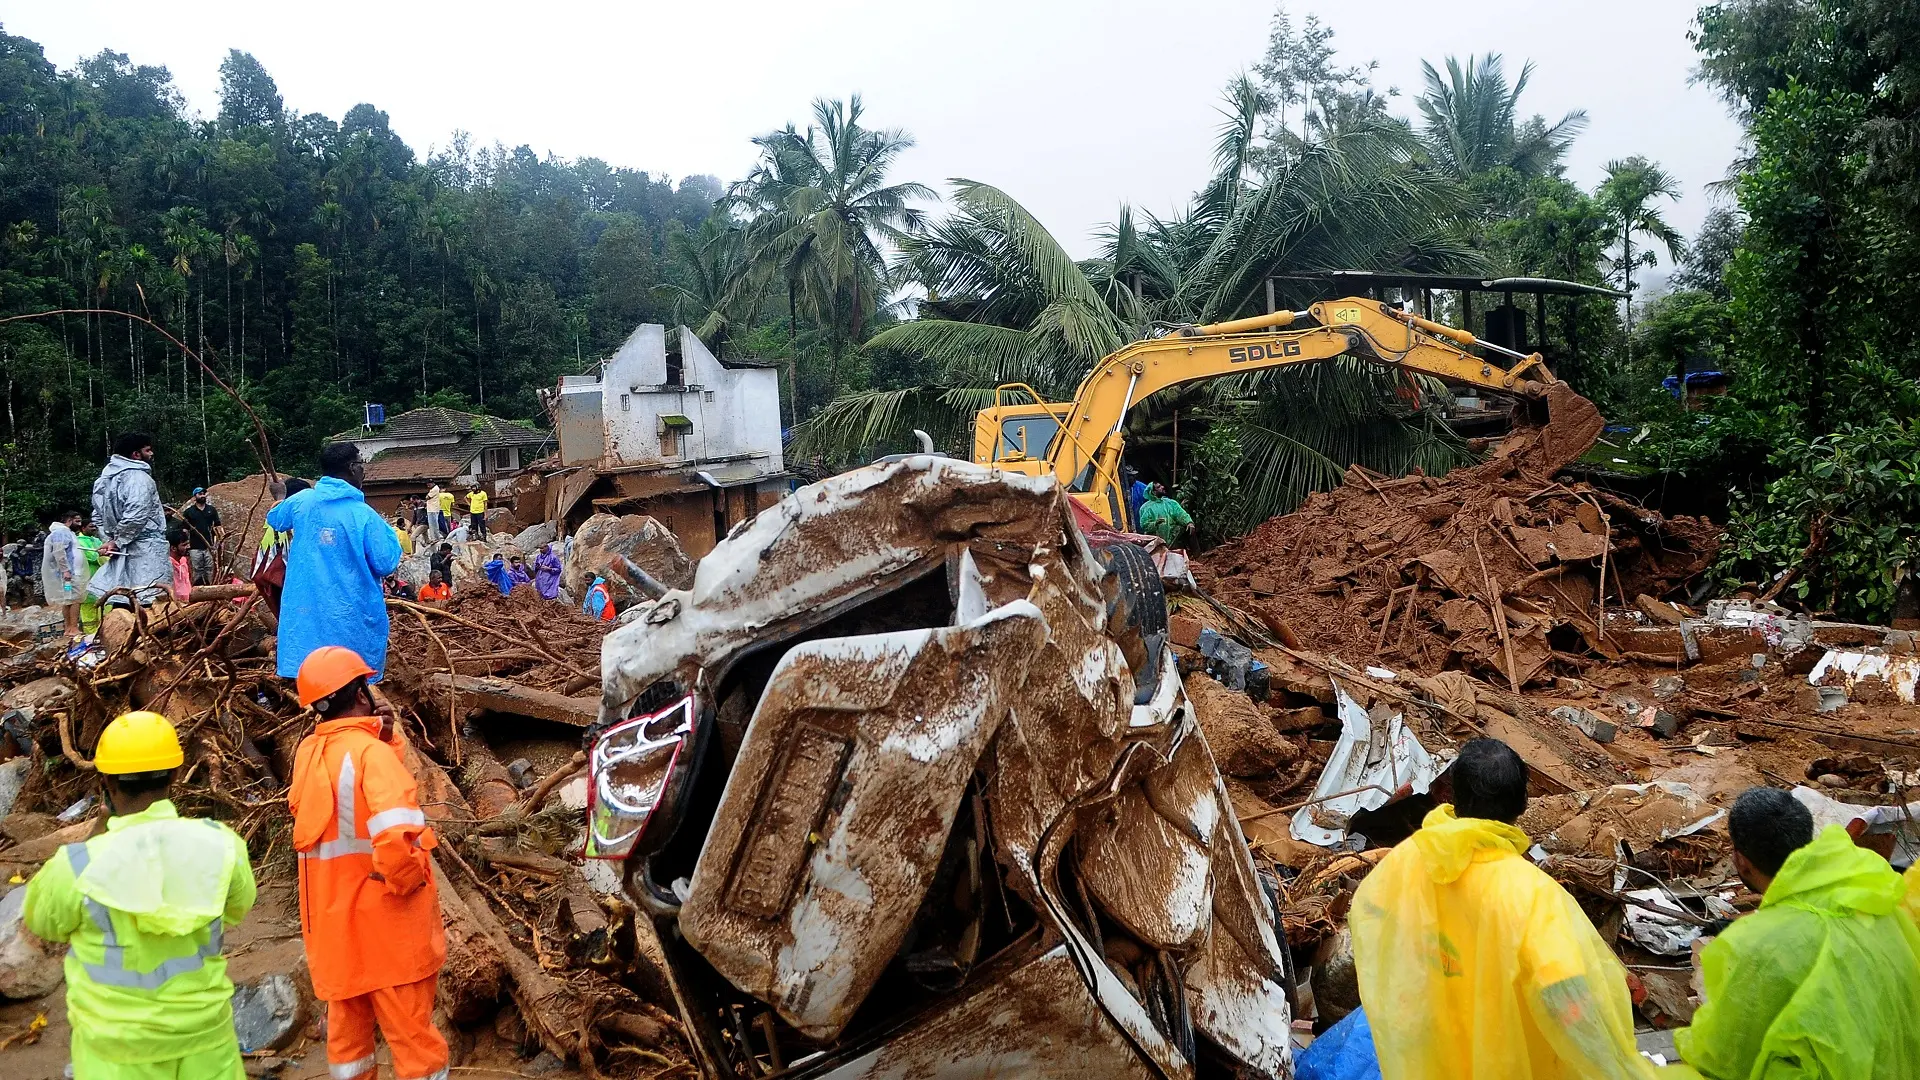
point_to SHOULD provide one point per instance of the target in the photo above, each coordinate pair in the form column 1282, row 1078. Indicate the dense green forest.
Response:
column 318, row 264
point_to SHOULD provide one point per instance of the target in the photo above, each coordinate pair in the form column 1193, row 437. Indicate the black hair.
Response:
column 296, row 485
column 176, row 535
column 143, row 783
column 132, row 443
column 341, row 699
column 1489, row 781
column 337, row 458
column 446, row 547
column 1769, row 824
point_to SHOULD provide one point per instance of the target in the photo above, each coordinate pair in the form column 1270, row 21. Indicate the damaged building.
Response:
column 670, row 430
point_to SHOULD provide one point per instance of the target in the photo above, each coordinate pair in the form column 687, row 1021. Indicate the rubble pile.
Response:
column 1387, row 622
column 1412, row 571
column 542, row 959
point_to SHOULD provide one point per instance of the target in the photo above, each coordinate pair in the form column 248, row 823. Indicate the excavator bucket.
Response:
column 1563, row 426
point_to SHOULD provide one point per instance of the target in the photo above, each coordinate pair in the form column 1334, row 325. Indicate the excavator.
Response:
column 1082, row 442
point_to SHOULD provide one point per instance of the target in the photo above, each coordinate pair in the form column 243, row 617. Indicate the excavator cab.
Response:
column 1008, row 434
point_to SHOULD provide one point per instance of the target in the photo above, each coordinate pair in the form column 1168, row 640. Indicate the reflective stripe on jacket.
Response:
column 368, row 908
column 143, row 908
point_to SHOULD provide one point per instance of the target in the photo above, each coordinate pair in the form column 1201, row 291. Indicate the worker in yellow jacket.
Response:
column 1475, row 965
column 142, row 908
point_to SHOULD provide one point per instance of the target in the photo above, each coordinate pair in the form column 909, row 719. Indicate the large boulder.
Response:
column 644, row 540
column 243, row 506
column 530, row 539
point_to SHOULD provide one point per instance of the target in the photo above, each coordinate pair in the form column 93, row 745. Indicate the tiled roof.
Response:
column 485, row 431
column 419, row 463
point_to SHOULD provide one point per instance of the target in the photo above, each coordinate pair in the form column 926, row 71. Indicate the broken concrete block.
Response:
column 1183, row 631
column 1594, row 727
column 1668, row 687
column 1262, row 585
column 29, row 967
column 266, row 1012
column 1661, row 723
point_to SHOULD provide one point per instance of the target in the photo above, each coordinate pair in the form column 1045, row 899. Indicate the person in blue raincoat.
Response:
column 341, row 551
column 496, row 569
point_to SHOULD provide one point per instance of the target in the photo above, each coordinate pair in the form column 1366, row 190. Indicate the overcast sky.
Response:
column 1072, row 106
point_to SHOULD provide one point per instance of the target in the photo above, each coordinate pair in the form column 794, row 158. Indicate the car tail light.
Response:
column 639, row 773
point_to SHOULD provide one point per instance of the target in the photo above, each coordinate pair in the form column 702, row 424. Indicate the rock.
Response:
column 1832, row 780
column 1241, row 737
column 1593, row 726
column 29, row 967
column 413, row 569
column 510, row 1028
column 650, row 544
column 13, row 777
column 40, row 849
column 545, row 1063
column 1668, row 687
column 267, row 1013
column 27, row 624
column 25, row 825
column 520, row 770
column 38, row 697
column 266, row 1066
column 530, row 539
column 1336, row 984
column 1183, row 631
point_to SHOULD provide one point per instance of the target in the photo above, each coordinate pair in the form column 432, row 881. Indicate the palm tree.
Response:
column 1473, row 125
column 712, row 262
column 820, row 213
column 1626, row 196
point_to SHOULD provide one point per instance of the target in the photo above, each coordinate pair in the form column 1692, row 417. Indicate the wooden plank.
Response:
column 500, row 695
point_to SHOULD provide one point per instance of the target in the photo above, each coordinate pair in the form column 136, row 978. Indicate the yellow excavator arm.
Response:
column 1081, row 441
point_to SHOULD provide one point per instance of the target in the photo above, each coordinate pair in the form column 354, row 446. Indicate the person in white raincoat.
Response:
column 63, row 571
column 133, row 523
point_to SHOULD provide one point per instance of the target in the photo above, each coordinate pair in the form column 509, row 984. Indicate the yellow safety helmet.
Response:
column 138, row 742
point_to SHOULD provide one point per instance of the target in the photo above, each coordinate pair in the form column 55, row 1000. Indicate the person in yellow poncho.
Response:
column 1475, row 965
column 1823, row 982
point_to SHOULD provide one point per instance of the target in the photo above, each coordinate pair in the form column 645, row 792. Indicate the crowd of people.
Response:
column 149, row 549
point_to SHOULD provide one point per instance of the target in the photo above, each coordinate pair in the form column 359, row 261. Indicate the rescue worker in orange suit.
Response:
column 369, row 912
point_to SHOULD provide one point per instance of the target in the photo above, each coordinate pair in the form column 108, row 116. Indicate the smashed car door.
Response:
column 840, row 803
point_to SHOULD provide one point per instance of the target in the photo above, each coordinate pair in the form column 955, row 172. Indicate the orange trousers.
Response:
column 404, row 1015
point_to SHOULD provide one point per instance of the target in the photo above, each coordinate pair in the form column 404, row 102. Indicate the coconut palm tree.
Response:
column 1473, row 125
column 1627, row 196
column 821, row 215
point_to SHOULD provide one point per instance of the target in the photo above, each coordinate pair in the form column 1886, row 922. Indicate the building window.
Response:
column 709, row 395
column 674, row 429
column 503, row 459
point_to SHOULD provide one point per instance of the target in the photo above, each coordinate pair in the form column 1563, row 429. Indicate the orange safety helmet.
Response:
column 326, row 670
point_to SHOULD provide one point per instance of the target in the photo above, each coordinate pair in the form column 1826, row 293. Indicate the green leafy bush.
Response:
column 1841, row 517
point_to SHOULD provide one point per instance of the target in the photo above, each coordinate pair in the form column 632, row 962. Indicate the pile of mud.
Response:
column 1496, row 568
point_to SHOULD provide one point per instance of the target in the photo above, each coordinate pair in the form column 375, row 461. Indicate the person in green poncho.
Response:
column 143, row 907
column 88, row 540
column 1823, row 981
column 1165, row 518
